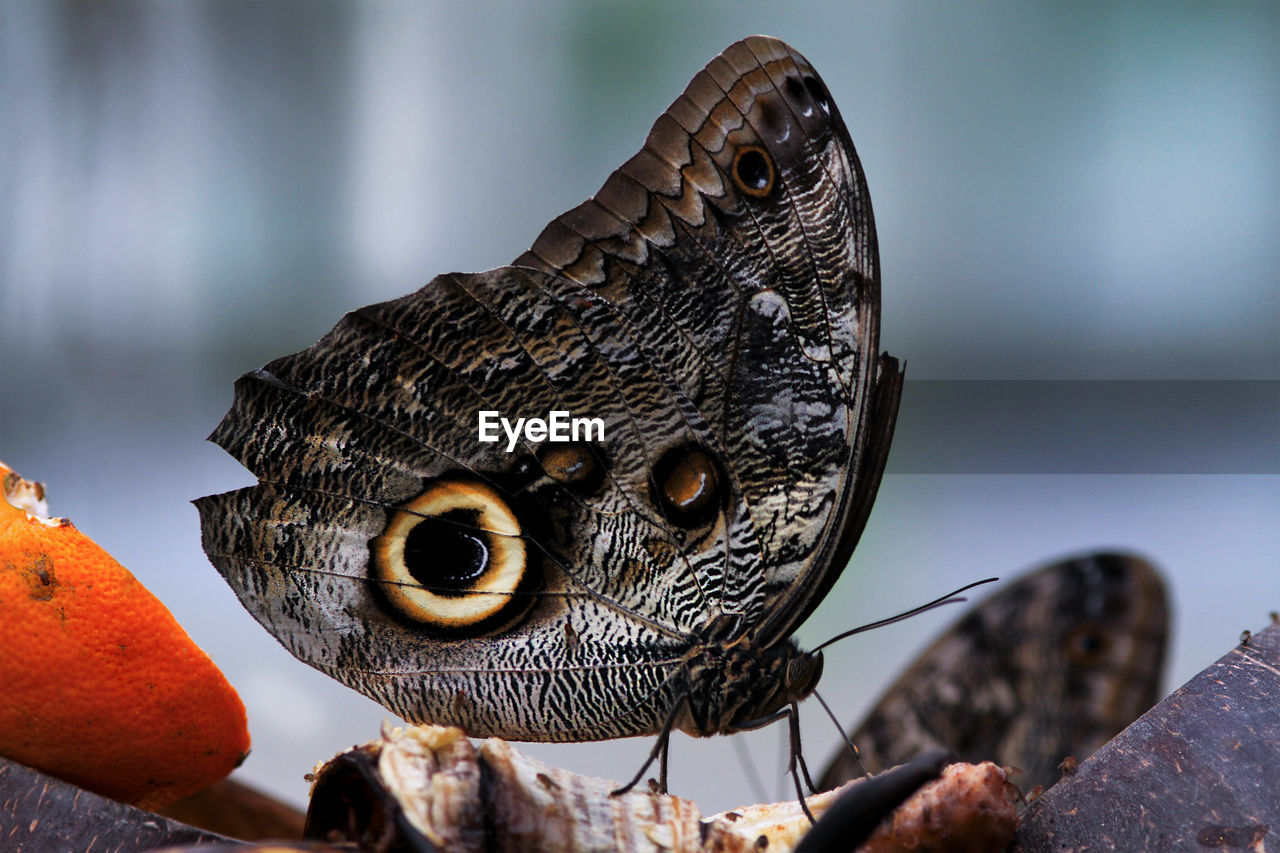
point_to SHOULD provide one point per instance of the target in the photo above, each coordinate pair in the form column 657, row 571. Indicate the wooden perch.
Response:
column 429, row 788
column 1201, row 770
column 231, row 808
column 39, row 813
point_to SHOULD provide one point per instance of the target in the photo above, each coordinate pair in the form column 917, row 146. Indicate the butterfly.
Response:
column 715, row 306
column 1052, row 665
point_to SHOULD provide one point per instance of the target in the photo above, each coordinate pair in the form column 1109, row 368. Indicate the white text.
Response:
column 558, row 426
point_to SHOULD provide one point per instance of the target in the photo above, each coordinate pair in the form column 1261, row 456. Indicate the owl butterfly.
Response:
column 1053, row 665
column 717, row 305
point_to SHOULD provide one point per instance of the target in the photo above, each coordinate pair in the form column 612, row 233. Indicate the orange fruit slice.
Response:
column 99, row 684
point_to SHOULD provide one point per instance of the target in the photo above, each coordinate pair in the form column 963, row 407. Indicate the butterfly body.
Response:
column 716, row 306
column 738, row 687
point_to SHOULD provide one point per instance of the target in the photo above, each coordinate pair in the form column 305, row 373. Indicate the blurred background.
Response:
column 1079, row 218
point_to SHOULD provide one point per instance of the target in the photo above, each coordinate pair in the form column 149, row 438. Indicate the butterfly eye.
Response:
column 753, row 171
column 688, row 485
column 803, row 672
column 452, row 558
column 1086, row 645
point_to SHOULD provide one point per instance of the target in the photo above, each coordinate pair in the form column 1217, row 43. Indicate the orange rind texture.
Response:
column 99, row 684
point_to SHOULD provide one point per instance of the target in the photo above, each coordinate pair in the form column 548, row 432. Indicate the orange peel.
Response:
column 99, row 684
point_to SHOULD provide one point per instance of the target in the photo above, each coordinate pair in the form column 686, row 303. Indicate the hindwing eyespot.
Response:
column 454, row 559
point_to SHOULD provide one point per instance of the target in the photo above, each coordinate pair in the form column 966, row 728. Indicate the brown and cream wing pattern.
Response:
column 715, row 306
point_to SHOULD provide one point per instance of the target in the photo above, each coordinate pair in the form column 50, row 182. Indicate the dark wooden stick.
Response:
column 1201, row 770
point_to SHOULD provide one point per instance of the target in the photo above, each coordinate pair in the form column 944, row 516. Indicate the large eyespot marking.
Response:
column 753, row 171
column 452, row 559
column 687, row 483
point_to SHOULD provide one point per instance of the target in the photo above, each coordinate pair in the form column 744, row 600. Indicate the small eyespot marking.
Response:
column 818, row 92
column 1086, row 645
column 574, row 465
column 687, row 480
column 753, row 171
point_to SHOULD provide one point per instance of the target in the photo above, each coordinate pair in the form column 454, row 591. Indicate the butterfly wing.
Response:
column 723, row 332
column 761, row 301
column 1053, row 665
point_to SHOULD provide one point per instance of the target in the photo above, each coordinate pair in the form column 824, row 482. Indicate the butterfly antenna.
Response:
column 853, row 749
column 949, row 598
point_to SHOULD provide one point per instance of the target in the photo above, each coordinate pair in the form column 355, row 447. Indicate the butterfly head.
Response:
column 802, row 674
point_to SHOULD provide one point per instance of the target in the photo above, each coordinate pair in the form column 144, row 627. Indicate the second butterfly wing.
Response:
column 1052, row 665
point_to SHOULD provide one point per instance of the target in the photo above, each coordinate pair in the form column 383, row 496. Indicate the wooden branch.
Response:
column 1201, row 770
column 429, row 788
column 237, row 810
column 38, row 813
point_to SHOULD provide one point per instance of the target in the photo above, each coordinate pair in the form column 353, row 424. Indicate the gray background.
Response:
column 1078, row 208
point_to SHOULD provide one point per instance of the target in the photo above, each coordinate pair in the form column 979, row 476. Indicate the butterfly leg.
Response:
column 658, row 753
column 795, row 748
column 761, row 722
column 662, row 761
column 857, row 812
column 797, row 761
